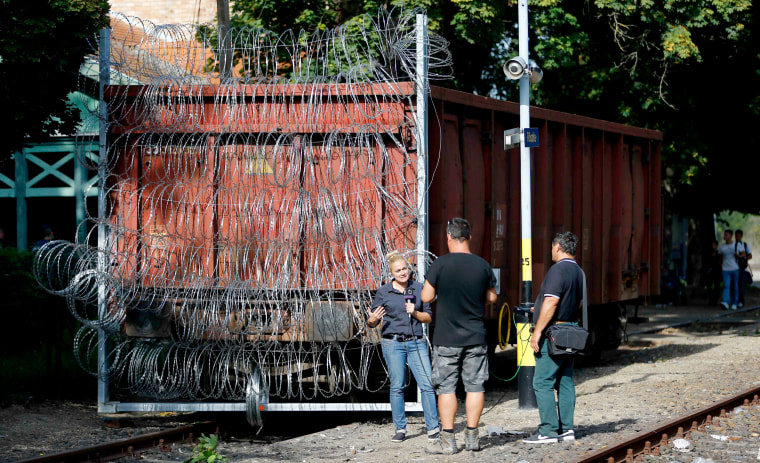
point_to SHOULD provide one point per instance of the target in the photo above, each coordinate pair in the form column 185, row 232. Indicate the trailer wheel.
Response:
column 255, row 397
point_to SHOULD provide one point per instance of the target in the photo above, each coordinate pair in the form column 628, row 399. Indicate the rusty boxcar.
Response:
column 598, row 179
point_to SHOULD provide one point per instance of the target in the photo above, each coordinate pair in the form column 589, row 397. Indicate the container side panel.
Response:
column 500, row 180
column 256, row 211
column 450, row 178
column 616, row 238
column 514, row 214
column 598, row 238
column 588, row 188
column 503, row 256
column 473, row 168
column 542, row 207
column 637, row 216
column 436, row 214
column 656, row 218
column 176, row 212
column 124, row 211
column 628, row 287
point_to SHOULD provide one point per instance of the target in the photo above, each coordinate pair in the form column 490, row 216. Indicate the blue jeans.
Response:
column 731, row 286
column 414, row 353
column 554, row 373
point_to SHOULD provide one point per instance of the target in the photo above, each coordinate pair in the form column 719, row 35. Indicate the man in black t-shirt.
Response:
column 558, row 301
column 464, row 283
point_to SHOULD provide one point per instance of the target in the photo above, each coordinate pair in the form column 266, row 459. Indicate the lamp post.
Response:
column 522, row 68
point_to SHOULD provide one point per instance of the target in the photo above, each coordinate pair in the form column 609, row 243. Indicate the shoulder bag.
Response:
column 566, row 338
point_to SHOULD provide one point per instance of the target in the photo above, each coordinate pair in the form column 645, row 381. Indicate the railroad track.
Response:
column 132, row 447
column 654, row 441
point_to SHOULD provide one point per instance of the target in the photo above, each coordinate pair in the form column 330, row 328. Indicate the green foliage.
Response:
column 37, row 360
column 17, row 282
column 42, row 45
column 205, row 451
column 473, row 26
column 686, row 67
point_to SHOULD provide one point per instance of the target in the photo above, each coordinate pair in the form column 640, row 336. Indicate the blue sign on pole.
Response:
column 531, row 137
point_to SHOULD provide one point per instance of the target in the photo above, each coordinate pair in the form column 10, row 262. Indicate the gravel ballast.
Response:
column 654, row 378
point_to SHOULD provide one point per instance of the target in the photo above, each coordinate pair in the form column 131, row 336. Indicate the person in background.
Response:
column 730, row 271
column 559, row 301
column 713, row 276
column 464, row 284
column 399, row 306
column 743, row 255
column 47, row 236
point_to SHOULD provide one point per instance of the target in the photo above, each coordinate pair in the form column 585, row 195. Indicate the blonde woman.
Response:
column 402, row 312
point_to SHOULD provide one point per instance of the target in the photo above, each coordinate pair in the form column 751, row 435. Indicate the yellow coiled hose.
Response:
column 503, row 344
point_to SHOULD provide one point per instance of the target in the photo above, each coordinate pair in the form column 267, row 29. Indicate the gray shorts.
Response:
column 469, row 361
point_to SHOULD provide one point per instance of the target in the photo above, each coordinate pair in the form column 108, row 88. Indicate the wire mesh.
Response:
column 247, row 214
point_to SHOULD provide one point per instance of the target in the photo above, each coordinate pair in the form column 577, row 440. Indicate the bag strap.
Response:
column 585, row 301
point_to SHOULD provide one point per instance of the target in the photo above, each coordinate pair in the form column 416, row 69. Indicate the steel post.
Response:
column 526, row 361
column 421, row 124
column 104, row 79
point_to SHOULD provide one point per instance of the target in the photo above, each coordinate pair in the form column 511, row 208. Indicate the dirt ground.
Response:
column 652, row 378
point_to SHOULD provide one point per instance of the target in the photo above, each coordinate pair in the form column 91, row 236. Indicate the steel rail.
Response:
column 648, row 441
column 127, row 447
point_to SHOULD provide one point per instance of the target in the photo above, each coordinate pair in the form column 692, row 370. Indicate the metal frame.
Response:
column 116, row 407
column 421, row 244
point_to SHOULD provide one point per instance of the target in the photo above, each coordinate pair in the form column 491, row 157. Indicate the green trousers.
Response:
column 554, row 374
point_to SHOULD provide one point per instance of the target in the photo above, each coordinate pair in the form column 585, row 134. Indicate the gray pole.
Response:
column 421, row 124
column 526, row 395
column 105, row 79
column 422, row 143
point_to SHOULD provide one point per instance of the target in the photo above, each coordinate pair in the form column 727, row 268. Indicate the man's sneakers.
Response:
column 445, row 444
column 539, row 438
column 471, row 440
column 733, row 306
column 724, row 304
column 567, row 436
column 740, row 305
column 399, row 436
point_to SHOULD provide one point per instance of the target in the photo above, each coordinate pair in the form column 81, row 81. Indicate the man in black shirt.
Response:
column 464, row 283
column 559, row 299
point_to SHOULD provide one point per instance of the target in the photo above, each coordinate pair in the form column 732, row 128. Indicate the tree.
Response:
column 472, row 26
column 42, row 45
column 686, row 67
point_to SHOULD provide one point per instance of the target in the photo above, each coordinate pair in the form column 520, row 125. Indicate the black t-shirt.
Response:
column 565, row 281
column 461, row 281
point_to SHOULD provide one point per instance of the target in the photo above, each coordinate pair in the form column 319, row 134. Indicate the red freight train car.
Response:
column 598, row 179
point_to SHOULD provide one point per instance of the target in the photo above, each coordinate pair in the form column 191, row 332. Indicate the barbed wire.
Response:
column 248, row 214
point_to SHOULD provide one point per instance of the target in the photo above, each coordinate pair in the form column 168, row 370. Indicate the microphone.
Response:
column 408, row 297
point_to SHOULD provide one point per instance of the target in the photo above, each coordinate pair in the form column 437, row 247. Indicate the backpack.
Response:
column 742, row 261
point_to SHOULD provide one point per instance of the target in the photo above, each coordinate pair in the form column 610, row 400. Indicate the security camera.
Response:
column 536, row 74
column 515, row 68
